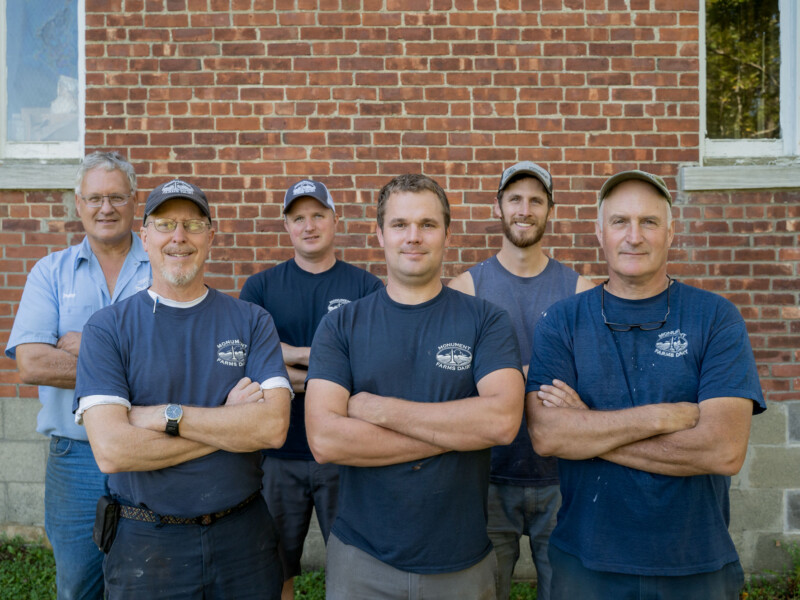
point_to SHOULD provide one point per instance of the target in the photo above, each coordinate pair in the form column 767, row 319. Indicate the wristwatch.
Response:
column 173, row 414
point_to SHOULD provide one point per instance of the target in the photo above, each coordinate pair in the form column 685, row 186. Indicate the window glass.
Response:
column 42, row 70
column 742, row 69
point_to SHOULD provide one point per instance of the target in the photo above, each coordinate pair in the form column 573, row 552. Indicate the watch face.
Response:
column 173, row 411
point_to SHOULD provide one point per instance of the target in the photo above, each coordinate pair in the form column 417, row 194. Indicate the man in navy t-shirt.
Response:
column 644, row 388
column 298, row 293
column 408, row 388
column 180, row 388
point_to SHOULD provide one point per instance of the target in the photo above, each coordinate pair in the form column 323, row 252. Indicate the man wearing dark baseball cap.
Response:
column 522, row 279
column 176, row 189
column 180, row 388
column 298, row 293
column 644, row 388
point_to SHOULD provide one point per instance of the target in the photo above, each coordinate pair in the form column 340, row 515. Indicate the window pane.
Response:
column 742, row 69
column 42, row 63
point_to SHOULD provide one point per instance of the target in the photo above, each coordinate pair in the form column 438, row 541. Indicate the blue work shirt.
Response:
column 63, row 290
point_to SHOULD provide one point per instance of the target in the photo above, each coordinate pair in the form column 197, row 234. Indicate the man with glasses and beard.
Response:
column 180, row 388
column 644, row 389
column 523, row 490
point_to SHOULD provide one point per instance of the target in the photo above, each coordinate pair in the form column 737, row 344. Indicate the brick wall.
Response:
column 243, row 97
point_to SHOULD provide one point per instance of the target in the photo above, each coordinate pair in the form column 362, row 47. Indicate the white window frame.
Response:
column 789, row 144
column 39, row 151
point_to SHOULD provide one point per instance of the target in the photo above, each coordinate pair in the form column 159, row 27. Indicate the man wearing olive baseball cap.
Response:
column 644, row 389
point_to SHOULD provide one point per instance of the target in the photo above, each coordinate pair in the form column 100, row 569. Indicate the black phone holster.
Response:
column 105, row 523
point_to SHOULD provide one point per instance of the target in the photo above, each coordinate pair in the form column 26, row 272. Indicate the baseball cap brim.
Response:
column 527, row 168
column 654, row 180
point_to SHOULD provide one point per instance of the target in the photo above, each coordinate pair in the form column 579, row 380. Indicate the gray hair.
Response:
column 600, row 213
column 109, row 161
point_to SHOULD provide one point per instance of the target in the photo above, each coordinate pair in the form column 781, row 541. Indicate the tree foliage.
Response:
column 742, row 69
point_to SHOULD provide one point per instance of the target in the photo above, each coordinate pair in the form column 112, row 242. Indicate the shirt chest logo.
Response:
column 672, row 344
column 454, row 357
column 336, row 303
column 232, row 353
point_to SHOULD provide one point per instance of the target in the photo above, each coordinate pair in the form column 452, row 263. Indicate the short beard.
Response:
column 518, row 241
column 182, row 278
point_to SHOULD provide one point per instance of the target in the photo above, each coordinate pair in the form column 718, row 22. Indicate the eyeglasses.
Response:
column 114, row 199
column 651, row 326
column 189, row 226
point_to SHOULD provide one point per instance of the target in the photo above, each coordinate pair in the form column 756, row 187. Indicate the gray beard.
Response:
column 180, row 279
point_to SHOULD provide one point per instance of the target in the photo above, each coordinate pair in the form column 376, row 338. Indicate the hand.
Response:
column 244, row 392
column 70, row 342
column 677, row 416
column 560, row 395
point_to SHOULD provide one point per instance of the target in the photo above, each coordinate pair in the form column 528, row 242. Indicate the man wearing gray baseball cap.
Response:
column 644, row 388
column 522, row 279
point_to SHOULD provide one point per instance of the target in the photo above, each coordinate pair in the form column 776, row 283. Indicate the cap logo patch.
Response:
column 177, row 187
column 304, row 187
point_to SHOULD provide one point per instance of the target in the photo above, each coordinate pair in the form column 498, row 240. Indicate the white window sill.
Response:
column 739, row 177
column 38, row 175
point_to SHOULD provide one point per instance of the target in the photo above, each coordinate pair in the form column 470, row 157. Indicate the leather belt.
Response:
column 137, row 513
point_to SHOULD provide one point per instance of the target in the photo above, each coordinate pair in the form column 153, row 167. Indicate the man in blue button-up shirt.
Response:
column 62, row 292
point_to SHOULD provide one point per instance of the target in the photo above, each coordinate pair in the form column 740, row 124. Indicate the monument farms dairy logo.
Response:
column 454, row 357
column 232, row 353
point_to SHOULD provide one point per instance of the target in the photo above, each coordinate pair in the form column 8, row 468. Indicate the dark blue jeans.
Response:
column 235, row 557
column 73, row 484
column 572, row 580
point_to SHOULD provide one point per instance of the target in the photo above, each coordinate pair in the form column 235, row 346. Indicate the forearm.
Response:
column 492, row 418
column 578, row 434
column 348, row 441
column 43, row 364
column 237, row 428
column 119, row 446
column 297, row 377
column 716, row 446
column 243, row 428
column 295, row 355
column 466, row 424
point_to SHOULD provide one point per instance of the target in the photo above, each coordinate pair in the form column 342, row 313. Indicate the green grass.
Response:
column 776, row 586
column 27, row 570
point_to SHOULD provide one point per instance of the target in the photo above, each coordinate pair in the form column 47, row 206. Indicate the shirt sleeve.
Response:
column 552, row 356
column 38, row 313
column 88, row 402
column 249, row 291
column 728, row 367
column 374, row 284
column 497, row 346
column 330, row 356
column 101, row 371
column 265, row 359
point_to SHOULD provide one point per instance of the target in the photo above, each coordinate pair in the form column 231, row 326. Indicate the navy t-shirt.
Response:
column 426, row 516
column 297, row 301
column 190, row 356
column 620, row 519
